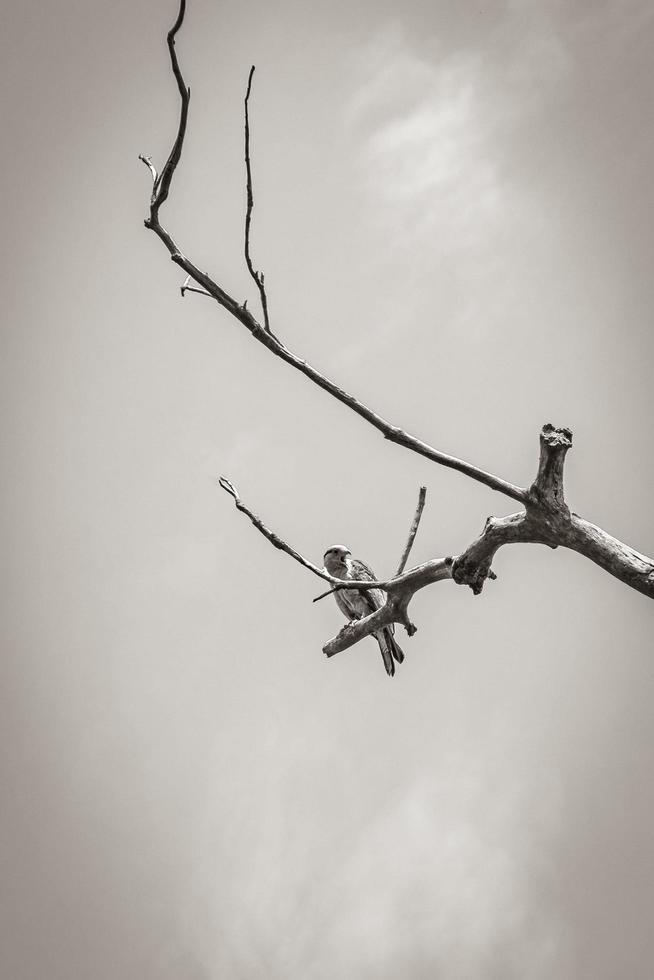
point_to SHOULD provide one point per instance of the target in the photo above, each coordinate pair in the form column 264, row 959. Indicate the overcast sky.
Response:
column 454, row 215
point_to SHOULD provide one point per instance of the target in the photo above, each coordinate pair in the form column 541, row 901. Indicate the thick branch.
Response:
column 400, row 591
column 615, row 557
column 261, row 333
column 547, row 520
column 473, row 566
column 547, row 489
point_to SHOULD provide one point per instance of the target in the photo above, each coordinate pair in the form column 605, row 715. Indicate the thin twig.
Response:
column 162, row 186
column 267, row 533
column 151, row 167
column 257, row 276
column 413, row 531
column 324, row 594
column 547, row 519
column 412, row 534
column 277, row 542
column 193, row 289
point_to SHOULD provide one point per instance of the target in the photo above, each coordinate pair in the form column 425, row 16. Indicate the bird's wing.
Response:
column 346, row 602
column 373, row 598
column 362, row 571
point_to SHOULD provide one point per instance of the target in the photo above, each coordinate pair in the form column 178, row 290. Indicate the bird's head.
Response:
column 335, row 559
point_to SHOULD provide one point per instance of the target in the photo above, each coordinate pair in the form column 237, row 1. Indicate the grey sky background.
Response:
column 454, row 215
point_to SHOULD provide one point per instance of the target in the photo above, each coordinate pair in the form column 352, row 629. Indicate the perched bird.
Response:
column 355, row 603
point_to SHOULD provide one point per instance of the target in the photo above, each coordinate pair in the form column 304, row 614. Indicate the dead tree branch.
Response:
column 400, row 592
column 413, row 530
column 391, row 432
column 274, row 539
column 412, row 534
column 277, row 542
column 546, row 518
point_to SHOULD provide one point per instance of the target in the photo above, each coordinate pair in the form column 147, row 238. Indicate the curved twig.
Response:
column 274, row 539
column 151, row 167
column 162, row 185
column 257, row 276
column 277, row 542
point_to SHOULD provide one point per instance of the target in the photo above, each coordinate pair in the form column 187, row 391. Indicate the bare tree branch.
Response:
column 274, row 539
column 400, row 591
column 412, row 531
column 611, row 554
column 277, row 542
column 257, row 276
column 391, row 432
column 412, row 534
column 546, row 518
column 162, row 185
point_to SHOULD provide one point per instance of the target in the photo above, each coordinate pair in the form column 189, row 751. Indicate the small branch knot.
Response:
column 472, row 573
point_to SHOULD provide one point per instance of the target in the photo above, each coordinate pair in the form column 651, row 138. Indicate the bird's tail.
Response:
column 389, row 650
column 396, row 650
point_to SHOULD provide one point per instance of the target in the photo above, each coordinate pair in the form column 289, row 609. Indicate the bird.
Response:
column 357, row 603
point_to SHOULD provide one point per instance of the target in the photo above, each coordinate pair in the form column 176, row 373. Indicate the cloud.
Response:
column 436, row 126
column 439, row 885
column 446, row 877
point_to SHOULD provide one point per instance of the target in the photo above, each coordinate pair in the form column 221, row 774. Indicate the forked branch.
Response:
column 262, row 333
column 546, row 518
